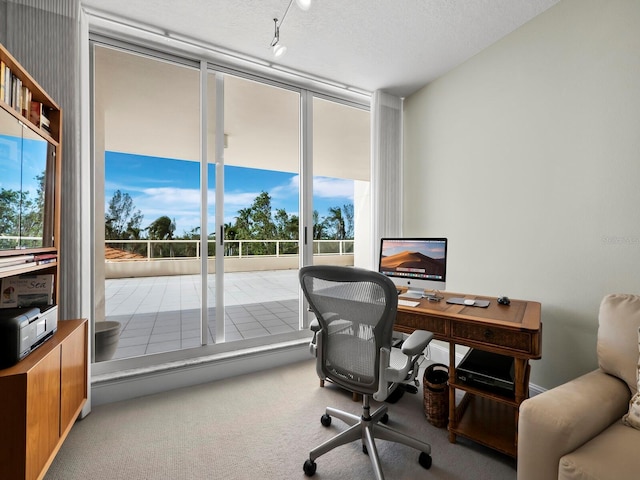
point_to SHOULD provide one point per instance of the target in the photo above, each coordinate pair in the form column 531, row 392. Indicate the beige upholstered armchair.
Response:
column 584, row 428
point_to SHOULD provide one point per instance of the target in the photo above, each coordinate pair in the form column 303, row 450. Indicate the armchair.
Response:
column 355, row 310
column 576, row 431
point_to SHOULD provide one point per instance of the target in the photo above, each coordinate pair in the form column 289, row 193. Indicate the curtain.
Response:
column 386, row 153
column 51, row 56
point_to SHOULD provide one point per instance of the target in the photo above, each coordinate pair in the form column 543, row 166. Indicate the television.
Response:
column 418, row 264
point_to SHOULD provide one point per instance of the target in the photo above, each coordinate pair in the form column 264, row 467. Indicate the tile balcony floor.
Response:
column 160, row 314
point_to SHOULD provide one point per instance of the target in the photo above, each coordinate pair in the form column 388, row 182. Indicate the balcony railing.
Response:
column 151, row 258
column 168, row 249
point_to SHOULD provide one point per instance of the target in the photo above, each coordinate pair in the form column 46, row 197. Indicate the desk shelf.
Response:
column 507, row 399
column 487, row 422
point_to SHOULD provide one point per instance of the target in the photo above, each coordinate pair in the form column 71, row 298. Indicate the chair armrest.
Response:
column 314, row 325
column 559, row 420
column 417, row 342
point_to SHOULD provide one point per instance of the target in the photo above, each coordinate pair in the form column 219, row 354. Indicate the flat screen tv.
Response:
column 419, row 264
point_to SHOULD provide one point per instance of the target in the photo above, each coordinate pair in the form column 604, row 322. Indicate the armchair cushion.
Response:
column 619, row 316
column 632, row 418
column 607, row 456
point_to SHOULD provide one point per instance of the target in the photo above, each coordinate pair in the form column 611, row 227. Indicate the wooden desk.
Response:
column 514, row 330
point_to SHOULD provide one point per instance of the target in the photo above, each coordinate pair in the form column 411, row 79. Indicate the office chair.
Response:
column 356, row 309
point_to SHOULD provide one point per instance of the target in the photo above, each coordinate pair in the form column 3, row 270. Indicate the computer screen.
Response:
column 416, row 263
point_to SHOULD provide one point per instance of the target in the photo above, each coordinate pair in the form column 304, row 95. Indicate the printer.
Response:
column 22, row 330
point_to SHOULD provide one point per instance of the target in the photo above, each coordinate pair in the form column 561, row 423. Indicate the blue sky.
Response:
column 160, row 186
column 15, row 151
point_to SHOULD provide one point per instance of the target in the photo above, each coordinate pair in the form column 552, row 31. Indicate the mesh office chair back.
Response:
column 356, row 309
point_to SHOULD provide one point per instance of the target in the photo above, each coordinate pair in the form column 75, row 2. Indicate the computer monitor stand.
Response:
column 412, row 293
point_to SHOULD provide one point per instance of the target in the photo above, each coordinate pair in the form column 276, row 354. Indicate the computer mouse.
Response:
column 469, row 302
column 504, row 300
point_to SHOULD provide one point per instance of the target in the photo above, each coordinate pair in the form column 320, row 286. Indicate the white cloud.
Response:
column 326, row 187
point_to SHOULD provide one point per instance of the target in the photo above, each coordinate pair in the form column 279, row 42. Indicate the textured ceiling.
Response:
column 394, row 45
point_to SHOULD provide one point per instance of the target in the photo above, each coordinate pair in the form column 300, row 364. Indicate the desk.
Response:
column 514, row 330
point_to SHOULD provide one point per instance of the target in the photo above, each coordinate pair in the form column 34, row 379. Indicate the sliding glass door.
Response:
column 259, row 210
column 147, row 208
column 341, row 184
column 200, row 180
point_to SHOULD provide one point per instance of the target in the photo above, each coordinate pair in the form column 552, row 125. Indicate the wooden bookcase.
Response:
column 12, row 112
column 42, row 395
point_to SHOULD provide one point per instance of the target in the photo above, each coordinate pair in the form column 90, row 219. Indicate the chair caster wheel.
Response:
column 364, row 449
column 385, row 418
column 425, row 460
column 325, row 420
column 309, row 468
column 411, row 389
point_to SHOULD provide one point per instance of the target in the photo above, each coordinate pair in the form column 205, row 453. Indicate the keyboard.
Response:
column 408, row 303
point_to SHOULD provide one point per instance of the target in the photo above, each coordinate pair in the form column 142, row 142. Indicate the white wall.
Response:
column 528, row 158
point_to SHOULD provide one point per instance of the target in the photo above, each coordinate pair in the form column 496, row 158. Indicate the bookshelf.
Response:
column 28, row 117
column 44, row 393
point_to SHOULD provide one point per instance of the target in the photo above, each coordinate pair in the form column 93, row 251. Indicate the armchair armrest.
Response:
column 559, row 420
column 417, row 342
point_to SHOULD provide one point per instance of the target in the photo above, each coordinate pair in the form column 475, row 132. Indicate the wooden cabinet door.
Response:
column 43, row 412
column 73, row 384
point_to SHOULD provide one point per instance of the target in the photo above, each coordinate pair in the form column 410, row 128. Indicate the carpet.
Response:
column 256, row 426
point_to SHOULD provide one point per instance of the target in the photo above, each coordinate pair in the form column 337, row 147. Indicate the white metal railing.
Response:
column 167, row 249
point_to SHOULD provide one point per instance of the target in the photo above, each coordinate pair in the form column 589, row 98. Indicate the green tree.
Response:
column 287, row 226
column 162, row 228
column 336, row 220
column 319, row 227
column 347, row 212
column 256, row 223
column 9, row 216
column 22, row 215
column 263, row 227
column 122, row 221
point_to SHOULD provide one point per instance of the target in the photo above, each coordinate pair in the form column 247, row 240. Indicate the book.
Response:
column 26, row 291
column 45, row 258
column 35, row 112
column 16, row 260
column 2, row 68
column 25, row 101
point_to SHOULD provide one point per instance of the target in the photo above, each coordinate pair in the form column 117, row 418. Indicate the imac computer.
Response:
column 416, row 263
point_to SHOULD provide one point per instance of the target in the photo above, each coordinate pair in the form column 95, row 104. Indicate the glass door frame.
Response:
column 207, row 67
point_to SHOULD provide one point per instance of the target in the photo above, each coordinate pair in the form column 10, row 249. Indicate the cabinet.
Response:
column 514, row 330
column 43, row 394
column 41, row 398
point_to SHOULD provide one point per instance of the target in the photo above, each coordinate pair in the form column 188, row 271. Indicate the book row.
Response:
column 8, row 264
column 18, row 96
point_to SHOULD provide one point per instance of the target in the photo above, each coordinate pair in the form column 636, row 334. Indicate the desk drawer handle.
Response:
column 488, row 334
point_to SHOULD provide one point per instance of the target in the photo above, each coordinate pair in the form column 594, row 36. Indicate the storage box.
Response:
column 26, row 291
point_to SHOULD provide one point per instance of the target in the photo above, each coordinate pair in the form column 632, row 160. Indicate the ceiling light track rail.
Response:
column 278, row 48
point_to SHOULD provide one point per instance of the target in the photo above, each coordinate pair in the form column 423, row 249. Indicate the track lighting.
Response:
column 303, row 4
column 278, row 48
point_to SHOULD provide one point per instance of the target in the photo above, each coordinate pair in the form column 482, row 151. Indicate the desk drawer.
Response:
column 421, row 321
column 520, row 341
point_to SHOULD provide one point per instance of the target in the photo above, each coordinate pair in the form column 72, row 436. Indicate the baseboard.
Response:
column 439, row 353
column 124, row 385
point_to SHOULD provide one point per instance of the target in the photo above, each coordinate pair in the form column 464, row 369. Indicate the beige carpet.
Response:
column 257, row 426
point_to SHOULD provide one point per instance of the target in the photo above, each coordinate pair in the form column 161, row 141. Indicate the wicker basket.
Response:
column 436, row 394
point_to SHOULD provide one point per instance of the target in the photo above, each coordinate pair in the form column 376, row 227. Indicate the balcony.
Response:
column 157, row 300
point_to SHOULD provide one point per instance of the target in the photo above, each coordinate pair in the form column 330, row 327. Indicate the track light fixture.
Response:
column 278, row 48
